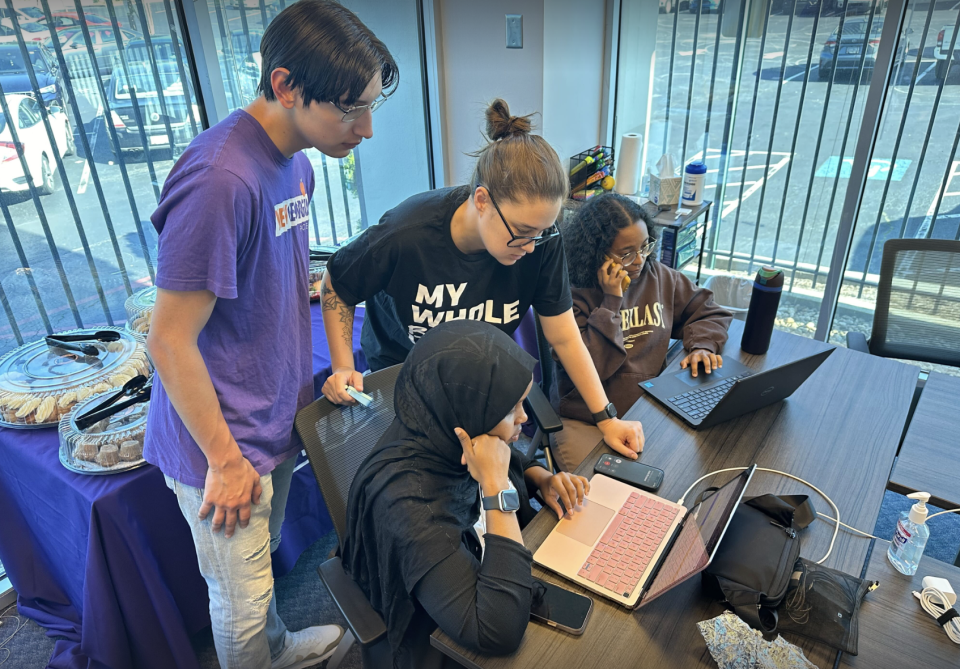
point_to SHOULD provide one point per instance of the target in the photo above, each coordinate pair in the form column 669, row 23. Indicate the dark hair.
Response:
column 328, row 51
column 590, row 231
column 516, row 165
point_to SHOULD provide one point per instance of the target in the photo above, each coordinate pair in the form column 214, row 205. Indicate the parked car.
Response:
column 35, row 145
column 846, row 54
column 64, row 20
column 941, row 52
column 124, row 118
column 32, row 32
column 104, row 44
column 14, row 77
column 23, row 13
column 703, row 6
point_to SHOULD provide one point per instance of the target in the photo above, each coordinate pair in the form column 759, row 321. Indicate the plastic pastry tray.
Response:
column 39, row 384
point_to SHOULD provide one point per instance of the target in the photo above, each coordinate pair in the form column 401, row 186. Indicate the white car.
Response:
column 941, row 51
column 36, row 147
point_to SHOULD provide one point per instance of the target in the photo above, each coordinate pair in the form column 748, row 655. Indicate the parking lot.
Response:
column 810, row 188
column 114, row 244
column 784, row 186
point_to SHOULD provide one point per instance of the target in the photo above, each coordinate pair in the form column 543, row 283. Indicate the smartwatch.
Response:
column 507, row 501
column 609, row 411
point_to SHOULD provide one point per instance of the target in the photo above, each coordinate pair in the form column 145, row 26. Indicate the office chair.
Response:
column 538, row 404
column 337, row 439
column 918, row 298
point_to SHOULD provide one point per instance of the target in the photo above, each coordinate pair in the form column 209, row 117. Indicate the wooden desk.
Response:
column 929, row 454
column 894, row 631
column 833, row 432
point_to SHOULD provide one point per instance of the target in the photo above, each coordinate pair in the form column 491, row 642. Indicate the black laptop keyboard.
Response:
column 699, row 402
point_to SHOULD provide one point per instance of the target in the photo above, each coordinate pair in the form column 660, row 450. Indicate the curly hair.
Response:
column 589, row 234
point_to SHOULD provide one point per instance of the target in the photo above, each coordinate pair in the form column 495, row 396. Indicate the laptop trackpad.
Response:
column 702, row 378
column 587, row 524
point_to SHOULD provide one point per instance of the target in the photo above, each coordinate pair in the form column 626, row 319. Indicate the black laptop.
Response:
column 730, row 391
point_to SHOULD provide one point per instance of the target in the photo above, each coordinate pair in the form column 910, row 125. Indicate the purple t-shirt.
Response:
column 233, row 219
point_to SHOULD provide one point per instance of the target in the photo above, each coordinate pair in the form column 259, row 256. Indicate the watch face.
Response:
column 511, row 500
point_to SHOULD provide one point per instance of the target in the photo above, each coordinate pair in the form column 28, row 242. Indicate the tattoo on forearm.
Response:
column 330, row 301
column 346, row 321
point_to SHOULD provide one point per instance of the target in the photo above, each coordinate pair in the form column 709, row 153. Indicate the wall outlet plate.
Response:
column 514, row 31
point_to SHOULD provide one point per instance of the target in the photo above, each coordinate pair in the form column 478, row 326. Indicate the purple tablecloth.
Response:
column 108, row 561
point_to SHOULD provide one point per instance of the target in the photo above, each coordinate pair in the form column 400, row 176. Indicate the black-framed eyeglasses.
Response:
column 355, row 112
column 644, row 252
column 518, row 241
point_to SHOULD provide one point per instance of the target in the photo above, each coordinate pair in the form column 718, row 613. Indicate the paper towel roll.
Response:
column 628, row 163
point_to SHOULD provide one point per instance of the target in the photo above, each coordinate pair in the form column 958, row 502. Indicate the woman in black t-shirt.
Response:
column 486, row 251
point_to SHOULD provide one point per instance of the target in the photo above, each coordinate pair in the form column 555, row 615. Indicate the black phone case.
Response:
column 632, row 473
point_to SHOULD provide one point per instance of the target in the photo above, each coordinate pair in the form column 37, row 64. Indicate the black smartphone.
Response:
column 560, row 608
column 630, row 472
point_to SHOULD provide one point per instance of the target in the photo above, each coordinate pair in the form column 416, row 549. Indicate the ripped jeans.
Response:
column 247, row 631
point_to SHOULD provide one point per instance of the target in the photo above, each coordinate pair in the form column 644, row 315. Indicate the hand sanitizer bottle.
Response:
column 910, row 537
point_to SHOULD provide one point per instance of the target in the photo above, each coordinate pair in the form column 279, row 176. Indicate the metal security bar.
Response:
column 98, row 100
column 238, row 54
column 788, row 82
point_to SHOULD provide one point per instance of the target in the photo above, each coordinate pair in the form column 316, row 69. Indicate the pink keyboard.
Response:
column 626, row 548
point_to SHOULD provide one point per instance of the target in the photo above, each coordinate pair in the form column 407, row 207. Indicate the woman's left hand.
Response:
column 567, row 488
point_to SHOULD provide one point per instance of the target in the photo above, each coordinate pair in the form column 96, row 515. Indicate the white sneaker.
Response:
column 308, row 647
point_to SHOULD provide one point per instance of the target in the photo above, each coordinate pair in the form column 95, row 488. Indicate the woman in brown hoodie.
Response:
column 628, row 306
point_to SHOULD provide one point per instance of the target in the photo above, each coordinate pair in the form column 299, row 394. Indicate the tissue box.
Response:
column 665, row 191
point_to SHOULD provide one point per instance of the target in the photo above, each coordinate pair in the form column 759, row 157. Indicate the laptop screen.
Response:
column 699, row 537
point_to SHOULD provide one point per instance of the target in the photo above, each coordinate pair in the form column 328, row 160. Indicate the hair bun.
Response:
column 500, row 124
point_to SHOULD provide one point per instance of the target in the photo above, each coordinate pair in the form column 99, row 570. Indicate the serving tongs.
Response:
column 136, row 390
column 63, row 341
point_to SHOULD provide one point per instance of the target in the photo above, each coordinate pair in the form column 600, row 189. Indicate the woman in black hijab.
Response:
column 411, row 545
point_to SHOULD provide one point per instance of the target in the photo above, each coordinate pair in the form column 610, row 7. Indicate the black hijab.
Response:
column 412, row 501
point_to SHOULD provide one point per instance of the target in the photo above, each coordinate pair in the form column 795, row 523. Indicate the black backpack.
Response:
column 752, row 567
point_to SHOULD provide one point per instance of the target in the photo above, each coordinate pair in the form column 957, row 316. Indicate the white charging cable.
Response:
column 836, row 530
column 937, row 605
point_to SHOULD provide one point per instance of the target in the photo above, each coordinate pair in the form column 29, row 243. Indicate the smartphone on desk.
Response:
column 560, row 608
column 630, row 472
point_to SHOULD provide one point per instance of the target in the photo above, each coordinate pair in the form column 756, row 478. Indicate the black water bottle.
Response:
column 764, row 302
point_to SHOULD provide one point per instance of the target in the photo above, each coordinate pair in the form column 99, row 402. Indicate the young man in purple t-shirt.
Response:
column 230, row 335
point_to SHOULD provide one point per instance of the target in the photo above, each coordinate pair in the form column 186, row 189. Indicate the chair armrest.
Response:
column 365, row 623
column 539, row 407
column 857, row 341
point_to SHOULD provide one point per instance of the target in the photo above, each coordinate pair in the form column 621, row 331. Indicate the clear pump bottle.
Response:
column 910, row 537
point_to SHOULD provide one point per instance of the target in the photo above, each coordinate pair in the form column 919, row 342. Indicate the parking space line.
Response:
column 930, row 67
column 800, row 74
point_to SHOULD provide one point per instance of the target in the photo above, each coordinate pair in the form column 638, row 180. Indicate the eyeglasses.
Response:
column 518, row 241
column 355, row 112
column 644, row 253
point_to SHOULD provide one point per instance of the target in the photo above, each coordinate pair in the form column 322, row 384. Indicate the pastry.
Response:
column 85, row 450
column 83, row 393
column 25, row 412
column 108, row 456
column 47, row 410
column 131, row 450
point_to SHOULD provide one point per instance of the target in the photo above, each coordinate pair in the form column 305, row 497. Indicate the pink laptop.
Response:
column 632, row 546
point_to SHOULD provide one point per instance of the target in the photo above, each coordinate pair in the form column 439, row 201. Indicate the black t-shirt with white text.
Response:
column 413, row 277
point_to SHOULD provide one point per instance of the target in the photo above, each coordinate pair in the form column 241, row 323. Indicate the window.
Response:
column 29, row 114
column 771, row 99
column 78, row 240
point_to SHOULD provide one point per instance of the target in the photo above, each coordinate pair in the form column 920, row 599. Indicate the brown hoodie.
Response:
column 628, row 337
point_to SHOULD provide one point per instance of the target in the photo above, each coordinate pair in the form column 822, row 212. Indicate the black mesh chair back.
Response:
column 918, row 302
column 338, row 439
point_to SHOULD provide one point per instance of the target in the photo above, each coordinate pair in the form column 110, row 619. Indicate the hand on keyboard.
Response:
column 711, row 361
